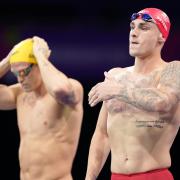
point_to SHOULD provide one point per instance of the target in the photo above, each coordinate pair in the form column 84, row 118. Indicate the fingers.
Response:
column 40, row 42
column 91, row 95
column 94, row 100
column 36, row 40
column 94, row 95
column 93, row 90
column 40, row 45
column 101, row 92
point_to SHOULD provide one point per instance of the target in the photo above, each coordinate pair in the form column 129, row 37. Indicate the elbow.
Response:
column 163, row 106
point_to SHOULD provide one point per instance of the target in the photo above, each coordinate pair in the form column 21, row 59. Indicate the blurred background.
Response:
column 86, row 39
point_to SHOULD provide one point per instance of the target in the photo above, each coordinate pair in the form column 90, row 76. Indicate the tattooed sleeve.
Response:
column 162, row 98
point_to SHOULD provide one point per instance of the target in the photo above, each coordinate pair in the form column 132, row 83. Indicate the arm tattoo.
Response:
column 151, row 99
column 144, row 98
column 171, row 76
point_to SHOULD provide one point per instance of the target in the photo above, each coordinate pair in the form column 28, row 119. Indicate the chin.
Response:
column 27, row 90
column 135, row 53
column 132, row 53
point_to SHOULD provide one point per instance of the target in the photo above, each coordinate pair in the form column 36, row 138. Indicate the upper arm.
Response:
column 169, row 82
column 8, row 96
column 102, row 120
column 101, row 135
column 76, row 92
column 170, row 78
column 99, row 148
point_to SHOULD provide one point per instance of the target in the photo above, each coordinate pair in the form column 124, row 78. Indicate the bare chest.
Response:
column 37, row 115
column 131, row 81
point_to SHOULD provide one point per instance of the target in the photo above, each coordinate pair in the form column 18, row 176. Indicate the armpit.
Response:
column 67, row 98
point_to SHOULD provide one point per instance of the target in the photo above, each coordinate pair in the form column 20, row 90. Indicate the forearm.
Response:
column 4, row 66
column 99, row 151
column 53, row 79
column 149, row 99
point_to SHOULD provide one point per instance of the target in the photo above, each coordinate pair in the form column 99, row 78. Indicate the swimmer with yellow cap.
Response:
column 23, row 52
column 48, row 103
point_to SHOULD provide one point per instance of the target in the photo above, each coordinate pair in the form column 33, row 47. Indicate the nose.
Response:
column 134, row 32
column 21, row 77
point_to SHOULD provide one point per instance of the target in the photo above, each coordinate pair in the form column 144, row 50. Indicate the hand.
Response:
column 103, row 91
column 40, row 46
column 5, row 64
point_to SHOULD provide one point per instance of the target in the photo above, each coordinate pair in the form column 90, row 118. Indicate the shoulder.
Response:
column 77, row 91
column 77, row 86
column 16, row 89
column 76, row 83
column 170, row 77
column 115, row 70
column 118, row 70
column 175, row 63
column 171, row 68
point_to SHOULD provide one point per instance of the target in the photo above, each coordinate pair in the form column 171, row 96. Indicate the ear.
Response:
column 161, row 39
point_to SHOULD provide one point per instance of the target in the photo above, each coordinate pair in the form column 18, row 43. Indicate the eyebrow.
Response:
column 144, row 23
column 141, row 23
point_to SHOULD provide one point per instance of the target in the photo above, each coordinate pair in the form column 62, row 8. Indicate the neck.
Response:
column 40, row 91
column 145, row 65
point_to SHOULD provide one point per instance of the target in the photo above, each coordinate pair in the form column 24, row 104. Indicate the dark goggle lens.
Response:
column 25, row 71
column 145, row 17
column 134, row 16
column 28, row 70
column 15, row 73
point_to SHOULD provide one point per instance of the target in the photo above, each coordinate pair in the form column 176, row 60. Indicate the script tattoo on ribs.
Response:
column 150, row 124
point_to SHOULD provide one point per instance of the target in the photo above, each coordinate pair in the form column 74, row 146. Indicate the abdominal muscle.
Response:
column 139, row 142
column 137, row 159
column 45, row 158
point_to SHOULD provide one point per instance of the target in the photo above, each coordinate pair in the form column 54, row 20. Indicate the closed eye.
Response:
column 144, row 26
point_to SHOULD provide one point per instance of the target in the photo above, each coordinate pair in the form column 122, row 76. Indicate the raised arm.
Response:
column 63, row 89
column 99, row 148
column 4, row 66
column 160, row 99
column 8, row 94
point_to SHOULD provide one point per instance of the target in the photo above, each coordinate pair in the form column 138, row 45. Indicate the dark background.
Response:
column 86, row 38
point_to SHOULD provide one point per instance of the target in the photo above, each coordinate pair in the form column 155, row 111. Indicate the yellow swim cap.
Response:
column 23, row 52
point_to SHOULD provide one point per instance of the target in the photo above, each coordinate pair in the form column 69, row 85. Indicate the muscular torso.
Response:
column 49, row 135
column 140, row 140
